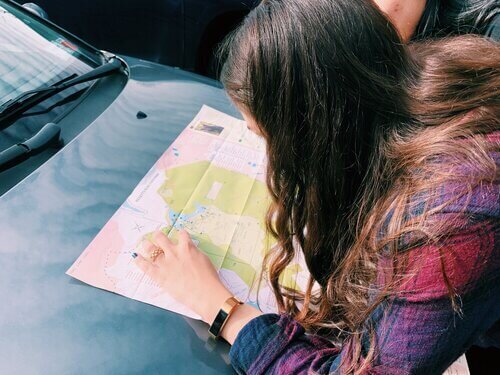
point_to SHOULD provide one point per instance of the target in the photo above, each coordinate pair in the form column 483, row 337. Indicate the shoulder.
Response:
column 465, row 254
column 464, row 261
column 470, row 194
column 452, row 233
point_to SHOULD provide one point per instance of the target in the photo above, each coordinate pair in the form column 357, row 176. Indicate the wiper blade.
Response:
column 31, row 98
column 48, row 136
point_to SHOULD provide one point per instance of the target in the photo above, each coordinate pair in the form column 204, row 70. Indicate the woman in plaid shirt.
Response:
column 383, row 173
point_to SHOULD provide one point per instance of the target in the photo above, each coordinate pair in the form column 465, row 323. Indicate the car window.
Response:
column 33, row 55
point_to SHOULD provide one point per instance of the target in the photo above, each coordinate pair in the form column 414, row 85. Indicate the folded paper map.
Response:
column 211, row 182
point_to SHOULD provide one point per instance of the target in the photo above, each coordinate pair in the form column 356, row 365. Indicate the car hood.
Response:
column 49, row 218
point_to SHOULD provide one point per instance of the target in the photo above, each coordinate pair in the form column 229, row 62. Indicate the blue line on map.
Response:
column 128, row 206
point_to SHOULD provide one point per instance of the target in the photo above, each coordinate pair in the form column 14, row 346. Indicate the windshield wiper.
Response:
column 31, row 98
column 48, row 136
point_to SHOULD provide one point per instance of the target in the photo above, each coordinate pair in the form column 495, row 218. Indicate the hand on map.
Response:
column 185, row 273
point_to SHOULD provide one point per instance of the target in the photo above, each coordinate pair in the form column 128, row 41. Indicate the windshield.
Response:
column 33, row 55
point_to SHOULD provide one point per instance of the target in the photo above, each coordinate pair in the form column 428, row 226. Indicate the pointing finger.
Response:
column 184, row 237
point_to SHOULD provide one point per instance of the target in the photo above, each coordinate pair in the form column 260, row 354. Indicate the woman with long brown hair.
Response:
column 383, row 174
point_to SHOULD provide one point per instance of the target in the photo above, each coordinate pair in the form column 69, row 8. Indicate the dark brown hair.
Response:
column 354, row 122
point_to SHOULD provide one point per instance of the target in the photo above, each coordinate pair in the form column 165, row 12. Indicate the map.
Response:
column 210, row 182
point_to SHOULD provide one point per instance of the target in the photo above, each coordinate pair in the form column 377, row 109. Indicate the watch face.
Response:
column 218, row 323
column 221, row 318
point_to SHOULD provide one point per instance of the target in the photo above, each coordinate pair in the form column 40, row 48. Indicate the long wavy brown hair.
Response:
column 358, row 126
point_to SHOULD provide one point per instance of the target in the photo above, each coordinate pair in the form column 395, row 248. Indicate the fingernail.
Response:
column 134, row 255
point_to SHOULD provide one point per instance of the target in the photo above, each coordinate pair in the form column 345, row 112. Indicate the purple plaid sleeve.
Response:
column 417, row 331
column 278, row 344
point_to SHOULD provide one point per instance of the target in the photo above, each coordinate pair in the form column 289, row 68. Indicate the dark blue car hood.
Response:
column 50, row 323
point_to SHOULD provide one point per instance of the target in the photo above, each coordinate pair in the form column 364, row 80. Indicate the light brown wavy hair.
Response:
column 358, row 126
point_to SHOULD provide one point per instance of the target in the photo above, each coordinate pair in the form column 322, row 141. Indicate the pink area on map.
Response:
column 91, row 265
column 192, row 146
column 189, row 147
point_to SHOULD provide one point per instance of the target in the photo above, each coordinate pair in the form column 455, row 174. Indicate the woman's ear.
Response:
column 404, row 15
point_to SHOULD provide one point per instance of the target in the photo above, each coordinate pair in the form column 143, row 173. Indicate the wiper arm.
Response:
column 31, row 98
